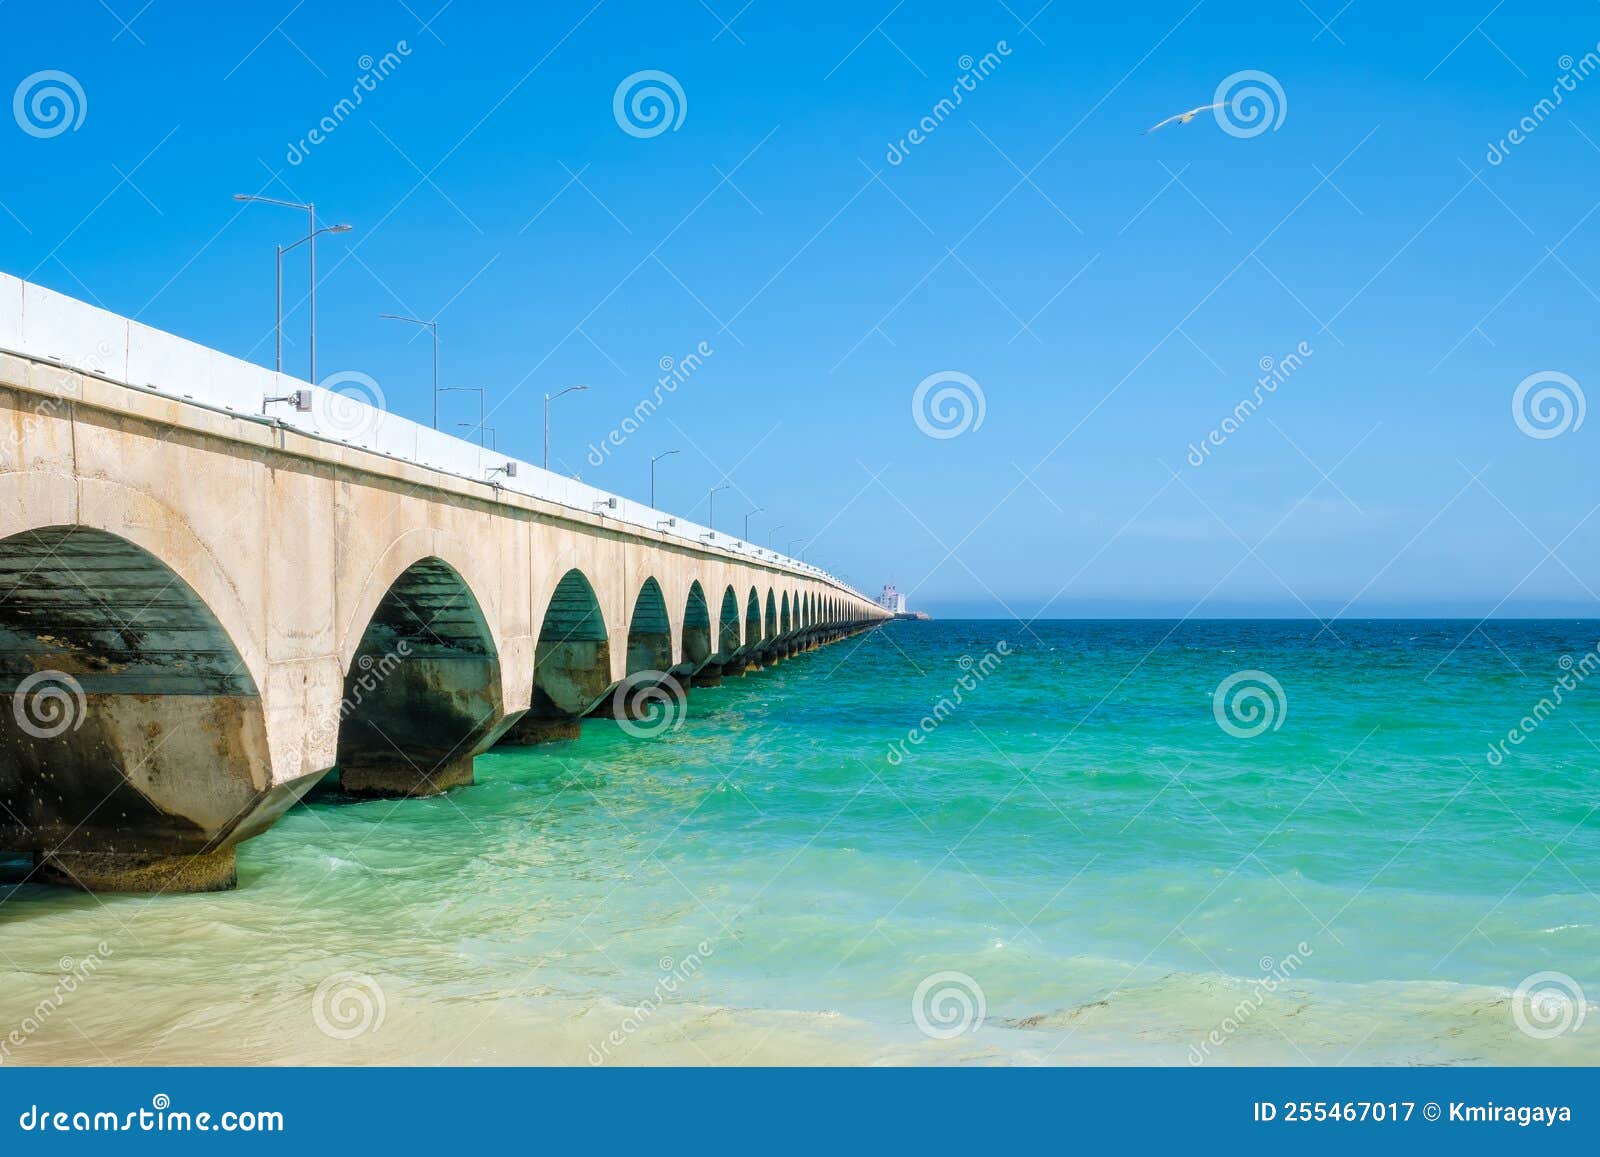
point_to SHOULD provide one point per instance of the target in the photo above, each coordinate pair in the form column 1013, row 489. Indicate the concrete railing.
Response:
column 41, row 324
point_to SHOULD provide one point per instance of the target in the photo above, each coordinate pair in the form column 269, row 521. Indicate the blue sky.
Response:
column 1111, row 294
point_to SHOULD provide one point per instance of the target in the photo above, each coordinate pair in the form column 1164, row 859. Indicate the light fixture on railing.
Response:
column 509, row 470
column 606, row 504
column 300, row 400
column 666, row 523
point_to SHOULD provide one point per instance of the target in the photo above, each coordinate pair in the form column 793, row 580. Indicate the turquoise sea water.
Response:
column 1079, row 839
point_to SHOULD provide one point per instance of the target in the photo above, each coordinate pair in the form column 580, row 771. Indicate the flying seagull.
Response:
column 1183, row 118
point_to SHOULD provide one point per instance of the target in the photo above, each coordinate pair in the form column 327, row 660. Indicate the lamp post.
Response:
column 548, row 398
column 653, row 462
column 790, row 549
column 757, row 510
column 311, row 236
column 470, row 390
column 434, row 326
column 711, row 515
column 494, row 437
column 772, row 536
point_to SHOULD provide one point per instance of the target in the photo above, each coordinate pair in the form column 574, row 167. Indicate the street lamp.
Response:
column 311, row 236
column 653, row 462
column 434, row 326
column 711, row 515
column 790, row 549
column 772, row 536
column 757, row 510
column 282, row 249
column 494, row 438
column 470, row 390
column 548, row 398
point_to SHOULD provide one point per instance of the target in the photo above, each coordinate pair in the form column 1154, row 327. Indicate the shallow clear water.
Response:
column 1122, row 878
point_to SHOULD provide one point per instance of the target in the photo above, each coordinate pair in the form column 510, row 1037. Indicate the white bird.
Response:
column 1183, row 118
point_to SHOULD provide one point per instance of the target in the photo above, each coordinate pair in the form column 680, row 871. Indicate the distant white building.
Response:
column 892, row 600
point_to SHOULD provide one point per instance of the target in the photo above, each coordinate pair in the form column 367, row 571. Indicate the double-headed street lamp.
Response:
column 434, row 326
column 311, row 236
column 711, row 514
column 548, row 398
column 653, row 462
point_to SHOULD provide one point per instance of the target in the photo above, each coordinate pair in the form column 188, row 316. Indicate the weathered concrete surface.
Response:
column 243, row 607
column 214, row 871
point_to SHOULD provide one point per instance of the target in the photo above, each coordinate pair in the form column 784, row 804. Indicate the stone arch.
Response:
column 571, row 663
column 407, row 550
column 649, row 631
column 134, row 750
column 728, row 625
column 422, row 693
column 771, row 631
column 696, row 628
column 752, row 619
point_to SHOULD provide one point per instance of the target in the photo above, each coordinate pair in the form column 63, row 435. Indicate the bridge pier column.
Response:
column 530, row 730
column 399, row 778
column 708, row 676
column 214, row 871
column 637, row 701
